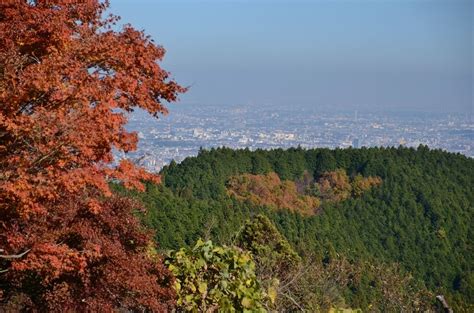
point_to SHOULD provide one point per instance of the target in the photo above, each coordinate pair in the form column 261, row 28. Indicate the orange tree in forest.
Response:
column 67, row 80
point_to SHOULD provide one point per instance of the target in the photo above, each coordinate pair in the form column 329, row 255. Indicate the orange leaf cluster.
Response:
column 269, row 190
column 85, row 262
column 361, row 184
column 303, row 196
column 335, row 185
column 67, row 81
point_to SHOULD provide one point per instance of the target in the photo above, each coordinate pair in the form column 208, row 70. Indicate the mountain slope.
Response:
column 420, row 215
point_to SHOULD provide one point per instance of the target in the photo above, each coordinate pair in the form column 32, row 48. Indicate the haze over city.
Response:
column 407, row 55
column 337, row 74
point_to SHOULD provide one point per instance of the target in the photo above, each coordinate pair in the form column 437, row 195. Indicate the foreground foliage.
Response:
column 312, row 285
column 67, row 80
column 211, row 278
column 272, row 253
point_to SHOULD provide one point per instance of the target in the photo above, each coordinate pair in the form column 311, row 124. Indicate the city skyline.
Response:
column 188, row 129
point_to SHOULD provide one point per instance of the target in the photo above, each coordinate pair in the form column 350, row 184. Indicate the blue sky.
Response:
column 375, row 55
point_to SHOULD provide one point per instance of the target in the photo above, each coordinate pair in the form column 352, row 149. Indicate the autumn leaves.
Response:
column 303, row 196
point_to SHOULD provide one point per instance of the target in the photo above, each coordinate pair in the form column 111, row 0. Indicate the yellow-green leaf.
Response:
column 202, row 287
column 246, row 302
column 272, row 293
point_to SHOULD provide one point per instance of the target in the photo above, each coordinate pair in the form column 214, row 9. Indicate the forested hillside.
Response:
column 418, row 212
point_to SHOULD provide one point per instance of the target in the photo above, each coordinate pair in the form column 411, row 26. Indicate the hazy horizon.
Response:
column 347, row 55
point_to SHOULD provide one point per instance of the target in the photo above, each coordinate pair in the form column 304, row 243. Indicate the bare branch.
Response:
column 13, row 256
column 443, row 301
column 294, row 301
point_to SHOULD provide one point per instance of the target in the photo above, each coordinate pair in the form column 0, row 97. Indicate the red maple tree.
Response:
column 67, row 80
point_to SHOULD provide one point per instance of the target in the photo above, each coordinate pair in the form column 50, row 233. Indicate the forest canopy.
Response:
column 417, row 211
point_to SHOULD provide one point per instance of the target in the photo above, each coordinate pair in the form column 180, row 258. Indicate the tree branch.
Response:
column 13, row 256
column 294, row 301
column 443, row 301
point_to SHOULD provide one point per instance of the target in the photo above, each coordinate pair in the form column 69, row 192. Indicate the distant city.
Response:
column 190, row 127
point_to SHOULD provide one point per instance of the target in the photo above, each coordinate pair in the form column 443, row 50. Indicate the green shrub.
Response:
column 211, row 278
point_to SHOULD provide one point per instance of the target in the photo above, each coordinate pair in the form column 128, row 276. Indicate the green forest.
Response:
column 414, row 223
